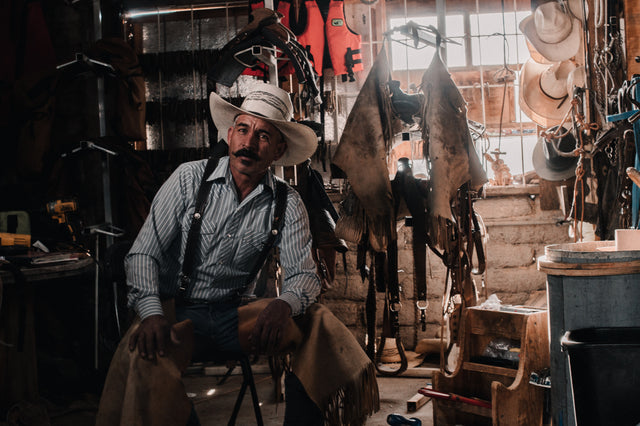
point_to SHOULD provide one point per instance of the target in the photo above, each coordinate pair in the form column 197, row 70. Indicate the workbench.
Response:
column 19, row 378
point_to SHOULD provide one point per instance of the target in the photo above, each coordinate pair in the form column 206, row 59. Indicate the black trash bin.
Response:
column 605, row 375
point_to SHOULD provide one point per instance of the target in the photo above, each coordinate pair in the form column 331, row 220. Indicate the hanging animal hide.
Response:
column 362, row 153
column 448, row 145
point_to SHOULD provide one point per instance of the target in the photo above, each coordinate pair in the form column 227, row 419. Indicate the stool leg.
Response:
column 247, row 380
column 248, row 373
column 236, row 407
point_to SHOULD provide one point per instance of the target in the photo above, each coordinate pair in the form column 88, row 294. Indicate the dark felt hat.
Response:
column 548, row 163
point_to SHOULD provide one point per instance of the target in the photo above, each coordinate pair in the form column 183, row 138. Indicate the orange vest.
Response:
column 343, row 44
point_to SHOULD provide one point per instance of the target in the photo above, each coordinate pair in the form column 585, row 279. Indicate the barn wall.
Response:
column 517, row 230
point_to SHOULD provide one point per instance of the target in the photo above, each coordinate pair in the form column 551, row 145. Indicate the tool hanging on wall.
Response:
column 629, row 110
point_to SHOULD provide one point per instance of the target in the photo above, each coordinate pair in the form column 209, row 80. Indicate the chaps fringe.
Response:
column 355, row 401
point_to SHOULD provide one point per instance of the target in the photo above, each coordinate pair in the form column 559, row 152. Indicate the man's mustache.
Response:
column 244, row 152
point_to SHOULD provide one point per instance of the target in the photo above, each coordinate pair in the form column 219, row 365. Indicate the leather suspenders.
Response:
column 194, row 229
column 196, row 224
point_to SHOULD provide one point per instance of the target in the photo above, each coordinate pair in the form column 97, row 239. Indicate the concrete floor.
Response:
column 214, row 403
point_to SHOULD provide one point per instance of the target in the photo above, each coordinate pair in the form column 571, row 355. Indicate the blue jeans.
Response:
column 215, row 329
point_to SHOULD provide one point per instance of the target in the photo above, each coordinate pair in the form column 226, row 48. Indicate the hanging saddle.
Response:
column 264, row 31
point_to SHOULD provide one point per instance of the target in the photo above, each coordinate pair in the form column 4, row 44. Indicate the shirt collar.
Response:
column 223, row 173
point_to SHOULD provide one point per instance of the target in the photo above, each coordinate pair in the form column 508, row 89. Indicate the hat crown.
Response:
column 553, row 80
column 566, row 144
column 576, row 78
column 552, row 24
column 269, row 101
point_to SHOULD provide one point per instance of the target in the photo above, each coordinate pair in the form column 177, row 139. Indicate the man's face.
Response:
column 253, row 145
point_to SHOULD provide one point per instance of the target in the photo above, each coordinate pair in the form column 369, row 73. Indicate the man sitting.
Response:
column 235, row 224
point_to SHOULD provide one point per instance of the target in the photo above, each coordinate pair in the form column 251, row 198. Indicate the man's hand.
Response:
column 152, row 336
column 270, row 327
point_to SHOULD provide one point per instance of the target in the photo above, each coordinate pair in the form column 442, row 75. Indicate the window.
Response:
column 488, row 42
column 407, row 57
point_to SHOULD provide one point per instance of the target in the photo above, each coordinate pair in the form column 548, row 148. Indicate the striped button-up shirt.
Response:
column 232, row 235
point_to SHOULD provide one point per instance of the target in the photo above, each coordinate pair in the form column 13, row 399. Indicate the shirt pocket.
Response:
column 251, row 244
column 204, row 240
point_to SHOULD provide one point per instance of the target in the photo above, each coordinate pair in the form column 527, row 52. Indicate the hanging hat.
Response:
column 272, row 104
column 576, row 78
column 550, row 165
column 535, row 55
column 575, row 7
column 543, row 91
column 552, row 32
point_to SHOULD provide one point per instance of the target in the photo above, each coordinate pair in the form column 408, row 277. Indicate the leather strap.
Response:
column 407, row 188
column 194, row 229
column 391, row 314
column 276, row 227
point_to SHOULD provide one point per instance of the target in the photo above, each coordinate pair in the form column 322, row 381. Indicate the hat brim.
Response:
column 535, row 55
column 542, row 109
column 543, row 170
column 554, row 52
column 301, row 140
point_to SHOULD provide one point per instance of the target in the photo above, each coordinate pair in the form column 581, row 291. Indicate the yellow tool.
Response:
column 7, row 239
column 59, row 209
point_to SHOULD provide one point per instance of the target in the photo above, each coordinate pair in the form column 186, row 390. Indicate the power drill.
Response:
column 59, row 210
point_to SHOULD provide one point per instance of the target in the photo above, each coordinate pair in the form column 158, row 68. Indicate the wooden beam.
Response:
column 632, row 36
column 416, row 401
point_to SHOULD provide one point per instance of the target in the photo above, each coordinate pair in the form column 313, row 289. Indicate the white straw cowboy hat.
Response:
column 554, row 33
column 543, row 91
column 273, row 105
column 550, row 165
column 576, row 8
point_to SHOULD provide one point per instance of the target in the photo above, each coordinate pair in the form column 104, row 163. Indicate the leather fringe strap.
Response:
column 334, row 369
column 355, row 400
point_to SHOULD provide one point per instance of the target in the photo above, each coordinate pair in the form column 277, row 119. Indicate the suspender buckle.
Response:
column 184, row 282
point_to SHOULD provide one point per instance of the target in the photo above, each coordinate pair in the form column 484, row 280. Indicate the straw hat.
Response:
column 554, row 33
column 273, row 105
column 550, row 165
column 543, row 91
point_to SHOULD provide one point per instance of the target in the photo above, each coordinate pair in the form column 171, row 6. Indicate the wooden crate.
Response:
column 514, row 401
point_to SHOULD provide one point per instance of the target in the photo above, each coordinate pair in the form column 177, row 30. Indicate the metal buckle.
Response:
column 184, row 281
column 395, row 306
